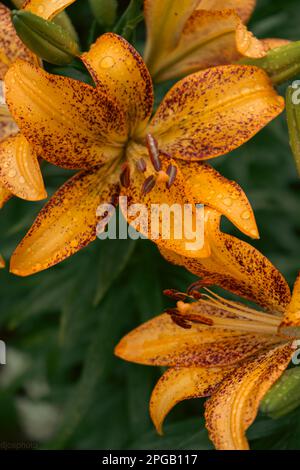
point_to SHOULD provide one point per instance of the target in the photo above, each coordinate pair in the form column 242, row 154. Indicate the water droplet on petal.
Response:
column 227, row 201
column 12, row 173
column 246, row 215
column 107, row 62
column 21, row 180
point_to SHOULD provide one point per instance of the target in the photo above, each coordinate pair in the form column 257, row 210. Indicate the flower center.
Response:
column 150, row 164
column 213, row 310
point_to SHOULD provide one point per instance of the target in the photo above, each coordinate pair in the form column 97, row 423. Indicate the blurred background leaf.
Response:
column 62, row 387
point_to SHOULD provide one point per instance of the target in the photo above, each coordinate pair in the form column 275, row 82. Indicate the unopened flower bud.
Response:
column 45, row 38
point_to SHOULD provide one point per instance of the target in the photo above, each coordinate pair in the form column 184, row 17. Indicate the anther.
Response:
column 198, row 285
column 179, row 321
column 125, row 176
column 153, row 150
column 174, row 294
column 148, row 185
column 141, row 165
column 172, row 173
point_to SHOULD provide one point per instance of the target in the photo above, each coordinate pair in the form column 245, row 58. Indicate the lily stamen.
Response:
column 227, row 323
column 125, row 176
column 153, row 150
column 240, row 307
column 172, row 173
column 148, row 185
column 141, row 165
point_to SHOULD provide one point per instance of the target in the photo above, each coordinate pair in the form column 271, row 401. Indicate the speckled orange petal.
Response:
column 11, row 46
column 47, row 9
column 209, row 187
column 170, row 232
column 180, row 384
column 161, row 342
column 237, row 267
column 292, row 314
column 5, row 195
column 215, row 111
column 2, row 262
column 19, row 169
column 209, row 38
column 65, row 225
column 231, row 410
column 120, row 72
column 68, row 122
column 244, row 8
column 165, row 21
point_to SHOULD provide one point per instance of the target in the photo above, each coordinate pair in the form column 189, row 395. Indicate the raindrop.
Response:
column 107, row 62
column 227, row 201
column 12, row 173
column 246, row 215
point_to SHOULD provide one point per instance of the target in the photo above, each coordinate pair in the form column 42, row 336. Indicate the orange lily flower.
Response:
column 221, row 349
column 184, row 36
column 105, row 131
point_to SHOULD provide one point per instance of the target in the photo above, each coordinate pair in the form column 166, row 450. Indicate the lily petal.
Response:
column 19, row 169
column 47, row 9
column 160, row 342
column 292, row 314
column 2, row 262
column 182, row 384
column 232, row 409
column 167, row 232
column 165, row 22
column 209, row 38
column 210, row 188
column 68, row 122
column 237, row 267
column 5, row 195
column 65, row 225
column 120, row 73
column 215, row 111
column 11, row 46
column 244, row 8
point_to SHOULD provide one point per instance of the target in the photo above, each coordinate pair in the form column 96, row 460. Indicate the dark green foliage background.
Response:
column 62, row 387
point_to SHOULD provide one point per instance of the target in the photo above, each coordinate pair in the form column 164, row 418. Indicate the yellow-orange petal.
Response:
column 180, row 384
column 5, row 195
column 209, row 38
column 212, row 189
column 47, row 9
column 244, row 8
column 292, row 314
column 68, row 122
column 237, row 267
column 165, row 22
column 65, row 225
column 212, row 112
column 231, row 410
column 120, row 72
column 11, row 46
column 19, row 169
column 166, row 208
column 2, row 262
column 161, row 342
